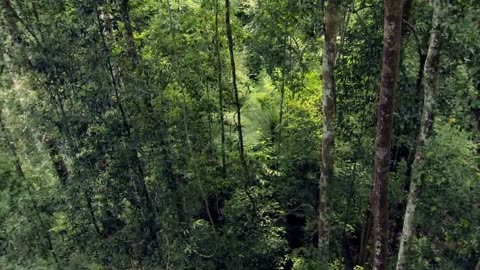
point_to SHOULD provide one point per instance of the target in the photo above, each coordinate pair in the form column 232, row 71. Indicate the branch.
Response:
column 8, row 6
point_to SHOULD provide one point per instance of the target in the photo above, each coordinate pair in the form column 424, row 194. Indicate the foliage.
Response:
column 112, row 139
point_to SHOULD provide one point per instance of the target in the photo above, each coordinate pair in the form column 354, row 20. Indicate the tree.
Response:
column 389, row 76
column 220, row 91
column 129, row 161
column 328, row 135
column 430, row 75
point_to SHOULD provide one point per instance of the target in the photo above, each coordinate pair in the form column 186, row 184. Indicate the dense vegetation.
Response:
column 254, row 134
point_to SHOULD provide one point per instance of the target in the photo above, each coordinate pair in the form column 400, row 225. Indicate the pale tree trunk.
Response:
column 328, row 136
column 389, row 76
column 220, row 91
column 430, row 73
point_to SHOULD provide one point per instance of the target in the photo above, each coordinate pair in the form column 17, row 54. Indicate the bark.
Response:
column 238, row 107
column 220, row 92
column 400, row 205
column 282, row 89
column 328, row 136
column 134, row 56
column 430, row 73
column 137, row 166
column 389, row 76
column 131, row 50
column 363, row 253
column 57, row 160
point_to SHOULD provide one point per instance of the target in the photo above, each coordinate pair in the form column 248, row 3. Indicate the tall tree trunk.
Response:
column 328, row 136
column 168, row 171
column 282, row 88
column 137, row 167
column 220, row 91
column 400, row 205
column 389, row 76
column 430, row 73
column 238, row 106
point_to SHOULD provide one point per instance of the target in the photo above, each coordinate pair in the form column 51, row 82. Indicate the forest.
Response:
column 240, row 134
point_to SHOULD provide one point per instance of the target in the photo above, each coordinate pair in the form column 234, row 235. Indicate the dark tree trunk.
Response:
column 389, row 76
column 131, row 49
column 137, row 166
column 238, row 107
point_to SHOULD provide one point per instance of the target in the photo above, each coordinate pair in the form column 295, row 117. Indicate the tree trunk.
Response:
column 137, row 166
column 131, row 50
column 18, row 167
column 389, row 76
column 328, row 136
column 57, row 160
column 238, row 106
column 220, row 92
column 430, row 73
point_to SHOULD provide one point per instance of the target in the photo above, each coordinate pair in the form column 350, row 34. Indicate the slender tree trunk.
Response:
column 430, row 73
column 241, row 148
column 238, row 106
column 134, row 56
column 282, row 88
column 21, row 174
column 400, row 205
column 389, row 76
column 63, row 175
column 137, row 167
column 220, row 91
column 328, row 136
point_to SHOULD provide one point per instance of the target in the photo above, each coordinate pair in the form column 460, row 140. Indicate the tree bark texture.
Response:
column 238, row 107
column 220, row 91
column 328, row 135
column 234, row 83
column 389, row 76
column 131, row 49
column 430, row 73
